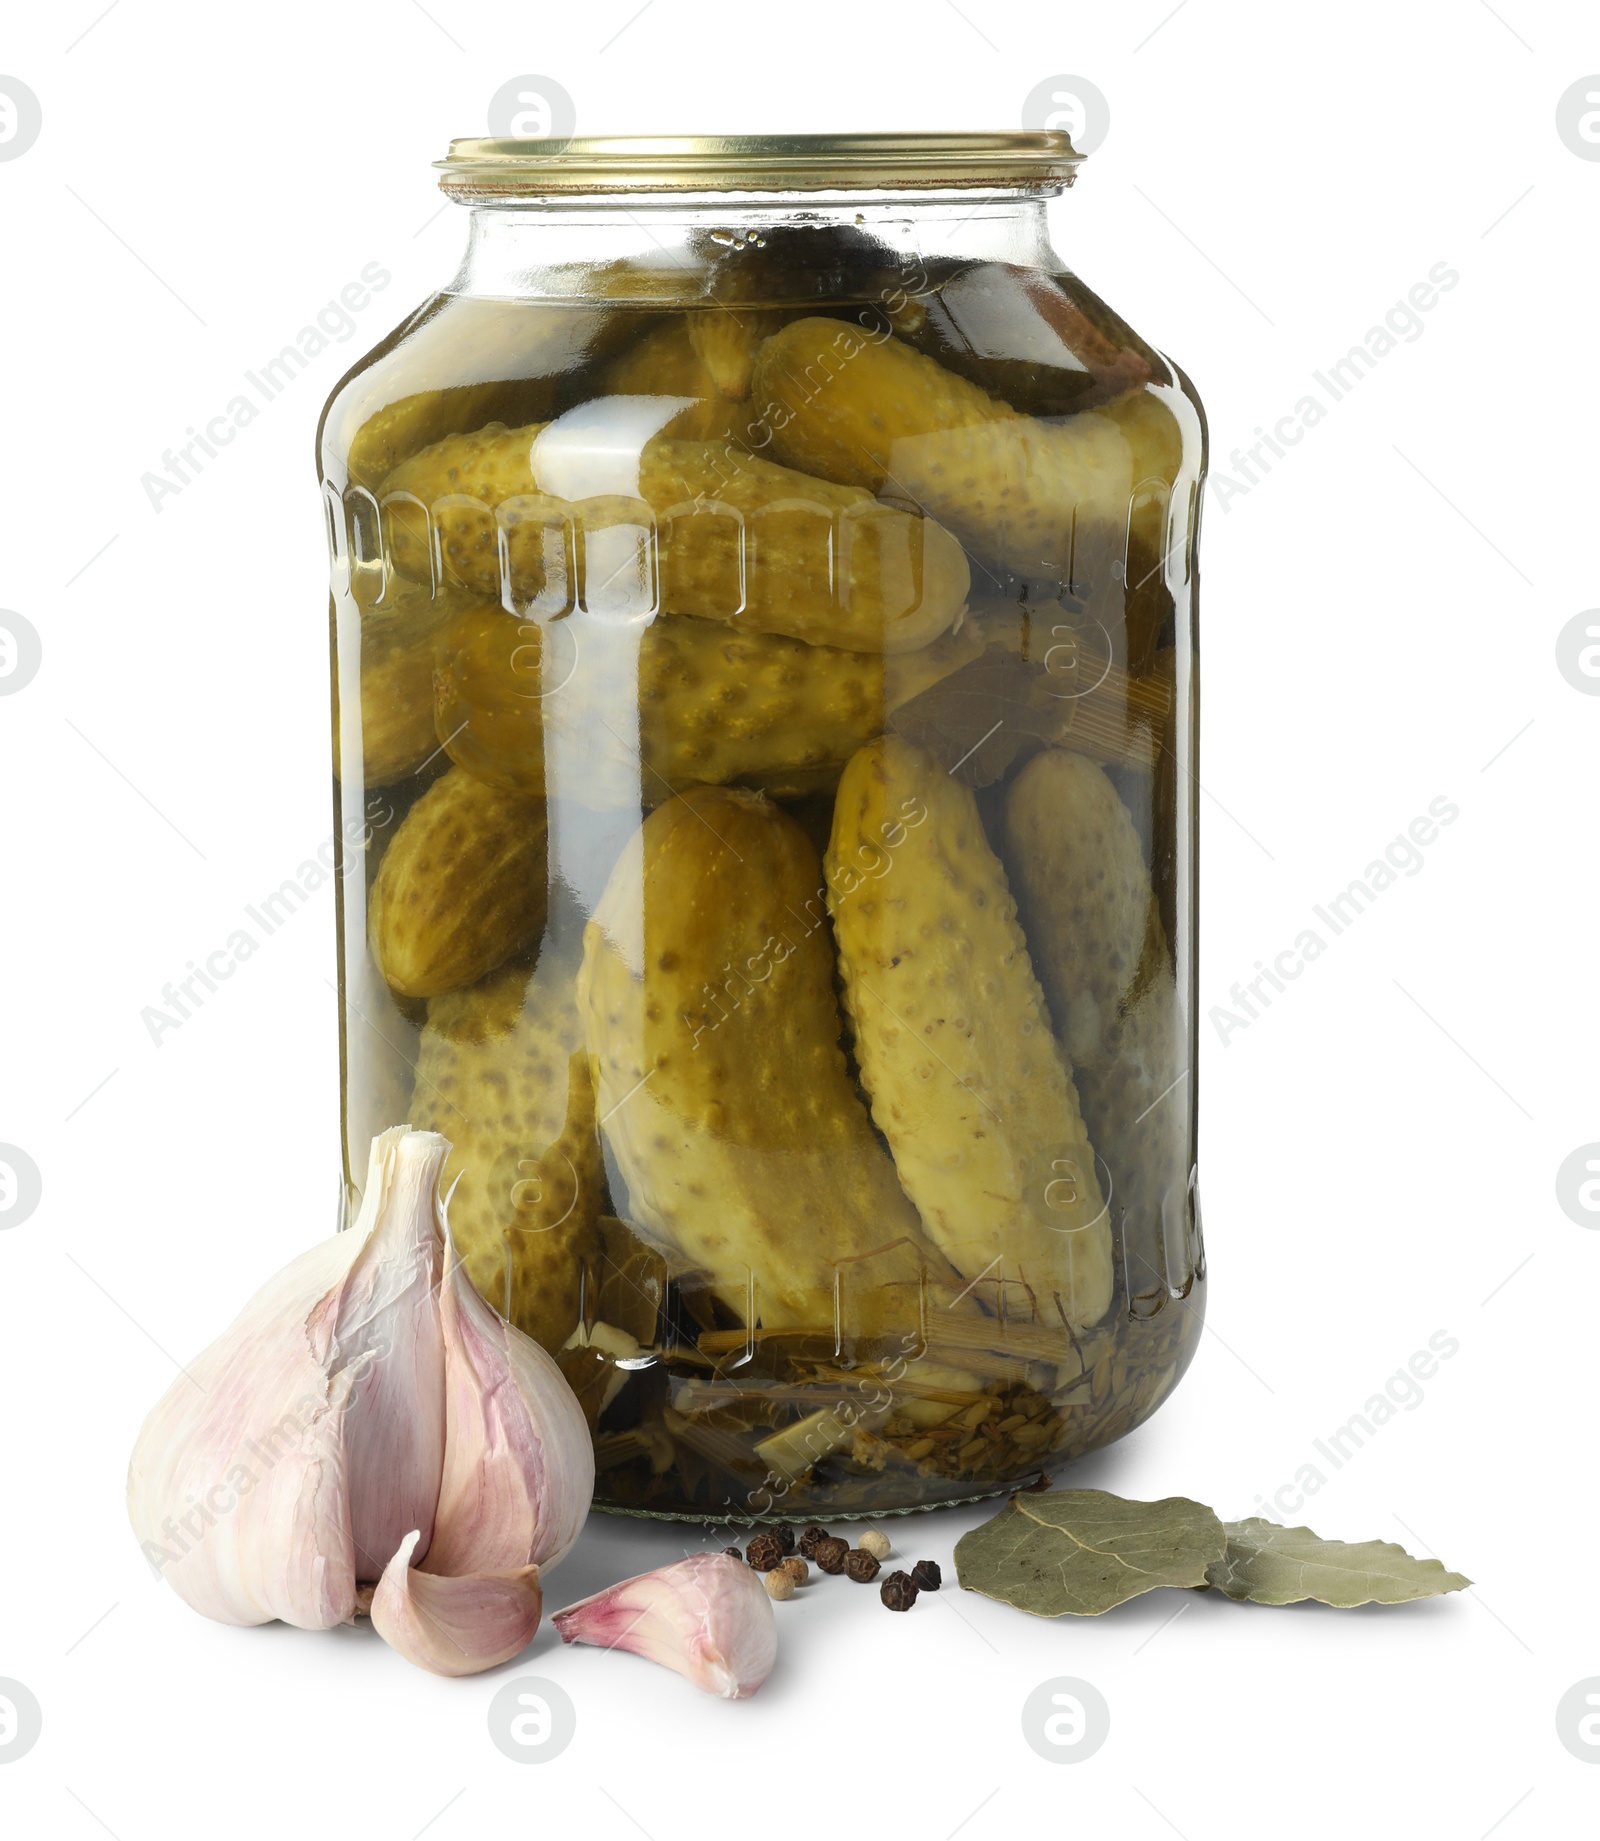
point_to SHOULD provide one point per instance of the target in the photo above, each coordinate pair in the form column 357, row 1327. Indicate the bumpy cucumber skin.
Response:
column 665, row 363
column 400, row 644
column 714, row 706
column 1034, row 496
column 804, row 557
column 967, row 1081
column 456, row 483
column 460, row 889
column 502, row 1073
column 1092, row 916
column 1085, row 897
column 713, row 1033
column 822, row 562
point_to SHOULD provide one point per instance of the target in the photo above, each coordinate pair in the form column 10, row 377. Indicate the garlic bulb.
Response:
column 368, row 1418
column 290, row 1459
column 708, row 1617
column 455, row 1626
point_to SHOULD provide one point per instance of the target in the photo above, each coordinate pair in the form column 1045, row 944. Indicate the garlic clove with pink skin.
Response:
column 457, row 1625
column 291, row 1458
column 518, row 1462
column 383, row 1330
column 517, row 1481
column 708, row 1617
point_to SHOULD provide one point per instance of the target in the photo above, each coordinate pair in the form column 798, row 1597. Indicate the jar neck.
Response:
column 660, row 248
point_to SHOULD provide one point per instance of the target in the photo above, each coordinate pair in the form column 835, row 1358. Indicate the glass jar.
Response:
column 765, row 724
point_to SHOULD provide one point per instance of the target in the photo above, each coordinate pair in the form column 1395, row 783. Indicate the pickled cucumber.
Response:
column 460, row 889
column 399, row 644
column 713, row 1034
column 404, row 427
column 708, row 355
column 665, row 362
column 1022, row 492
column 806, row 558
column 502, row 1073
column 1085, row 898
column 1093, row 920
column 966, row 1081
column 725, row 340
column 713, row 706
column 739, row 540
column 458, row 362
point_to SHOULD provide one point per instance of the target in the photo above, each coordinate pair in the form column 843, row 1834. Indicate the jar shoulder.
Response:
column 1035, row 340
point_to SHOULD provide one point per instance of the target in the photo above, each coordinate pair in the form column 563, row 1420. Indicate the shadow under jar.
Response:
column 764, row 634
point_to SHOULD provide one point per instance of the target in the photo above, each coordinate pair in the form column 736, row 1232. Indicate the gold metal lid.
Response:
column 586, row 164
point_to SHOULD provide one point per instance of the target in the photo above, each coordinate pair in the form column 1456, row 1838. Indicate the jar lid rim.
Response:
column 590, row 164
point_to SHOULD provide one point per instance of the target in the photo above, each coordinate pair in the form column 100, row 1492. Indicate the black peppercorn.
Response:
column 897, row 1592
column 861, row 1565
column 926, row 1577
column 830, row 1553
column 809, row 1537
column 785, row 1535
column 765, row 1551
column 733, row 1553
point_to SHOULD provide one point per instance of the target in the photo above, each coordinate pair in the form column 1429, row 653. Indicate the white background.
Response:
column 1379, row 1150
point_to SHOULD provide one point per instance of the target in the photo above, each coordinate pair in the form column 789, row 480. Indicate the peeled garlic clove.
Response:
column 518, row 1464
column 460, row 1625
column 316, row 1422
column 707, row 1617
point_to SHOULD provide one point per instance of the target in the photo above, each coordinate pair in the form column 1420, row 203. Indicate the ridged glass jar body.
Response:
column 764, row 639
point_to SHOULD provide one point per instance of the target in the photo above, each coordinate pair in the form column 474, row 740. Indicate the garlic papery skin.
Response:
column 382, row 1333
column 708, row 1617
column 518, row 1462
column 318, row 1416
column 460, row 1625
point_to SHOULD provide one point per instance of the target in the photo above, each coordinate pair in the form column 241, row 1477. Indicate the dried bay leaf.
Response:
column 1084, row 1551
column 1269, row 1564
